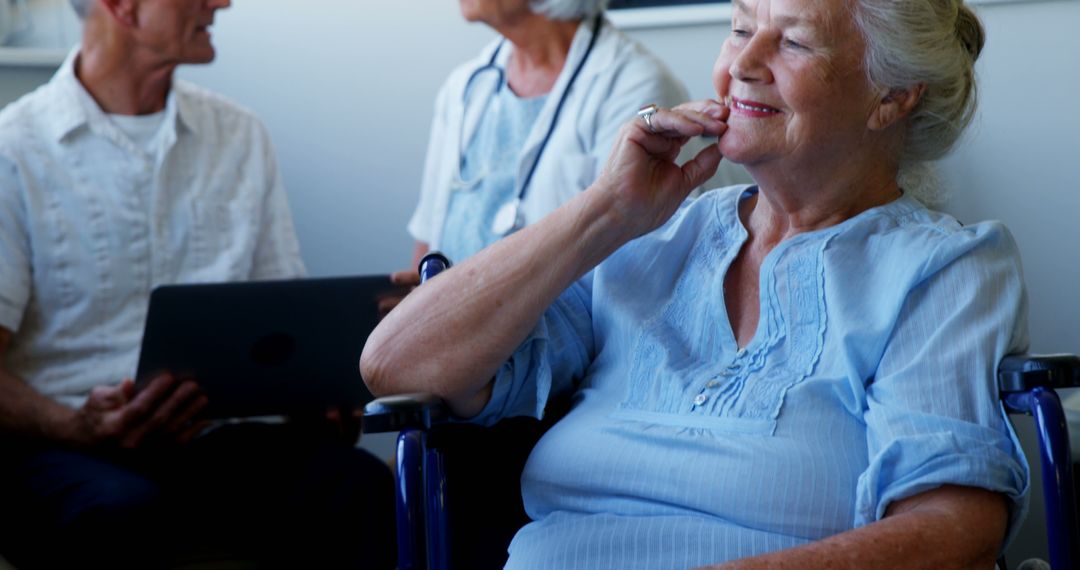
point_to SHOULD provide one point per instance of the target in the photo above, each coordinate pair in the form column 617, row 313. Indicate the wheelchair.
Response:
column 424, row 446
column 429, row 447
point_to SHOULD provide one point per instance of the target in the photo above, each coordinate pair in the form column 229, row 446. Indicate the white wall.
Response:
column 346, row 88
column 1021, row 160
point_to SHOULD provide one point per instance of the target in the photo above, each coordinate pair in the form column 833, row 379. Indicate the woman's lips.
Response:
column 750, row 108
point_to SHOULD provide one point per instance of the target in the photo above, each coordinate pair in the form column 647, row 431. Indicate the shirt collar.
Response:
column 69, row 112
column 76, row 108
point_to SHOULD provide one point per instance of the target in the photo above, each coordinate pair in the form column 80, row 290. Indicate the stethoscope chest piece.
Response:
column 506, row 219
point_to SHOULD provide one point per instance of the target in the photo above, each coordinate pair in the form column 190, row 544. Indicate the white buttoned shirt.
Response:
column 91, row 222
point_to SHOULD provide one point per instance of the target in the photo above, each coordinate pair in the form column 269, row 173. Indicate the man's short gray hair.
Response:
column 567, row 9
column 82, row 7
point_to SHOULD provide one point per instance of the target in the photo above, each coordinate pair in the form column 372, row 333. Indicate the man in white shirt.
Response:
column 115, row 178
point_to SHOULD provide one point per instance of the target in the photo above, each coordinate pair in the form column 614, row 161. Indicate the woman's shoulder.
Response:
column 906, row 232
column 623, row 58
column 615, row 45
column 907, row 218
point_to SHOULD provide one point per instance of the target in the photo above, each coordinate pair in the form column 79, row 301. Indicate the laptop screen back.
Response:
column 265, row 348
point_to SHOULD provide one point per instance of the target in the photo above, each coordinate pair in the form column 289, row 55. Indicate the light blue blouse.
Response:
column 489, row 172
column 870, row 379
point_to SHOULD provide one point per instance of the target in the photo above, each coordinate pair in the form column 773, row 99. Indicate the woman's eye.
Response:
column 793, row 44
column 739, row 32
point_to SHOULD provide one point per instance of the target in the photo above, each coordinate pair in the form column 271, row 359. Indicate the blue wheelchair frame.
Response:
column 1026, row 383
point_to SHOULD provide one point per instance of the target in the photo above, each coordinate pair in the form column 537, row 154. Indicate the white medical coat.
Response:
column 619, row 77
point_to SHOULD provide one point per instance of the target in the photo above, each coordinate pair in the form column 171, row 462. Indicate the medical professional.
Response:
column 528, row 124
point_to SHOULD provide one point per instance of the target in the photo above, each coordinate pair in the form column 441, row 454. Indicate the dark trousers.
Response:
column 274, row 495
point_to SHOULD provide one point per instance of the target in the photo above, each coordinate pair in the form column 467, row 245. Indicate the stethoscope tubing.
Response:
column 490, row 65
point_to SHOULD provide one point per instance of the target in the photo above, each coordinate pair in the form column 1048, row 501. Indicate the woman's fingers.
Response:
column 698, row 118
column 710, row 107
column 666, row 146
column 702, row 167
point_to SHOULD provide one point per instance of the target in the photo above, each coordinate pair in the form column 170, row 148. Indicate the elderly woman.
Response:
column 528, row 124
column 794, row 374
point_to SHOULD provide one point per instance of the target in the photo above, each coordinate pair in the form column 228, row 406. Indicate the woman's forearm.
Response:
column 948, row 527
column 450, row 336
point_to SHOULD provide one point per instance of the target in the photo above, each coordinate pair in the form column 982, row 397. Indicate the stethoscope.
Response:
column 508, row 216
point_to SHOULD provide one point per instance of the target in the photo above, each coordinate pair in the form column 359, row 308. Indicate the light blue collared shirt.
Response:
column 871, row 378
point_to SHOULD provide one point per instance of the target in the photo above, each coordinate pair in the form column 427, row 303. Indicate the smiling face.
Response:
column 177, row 31
column 793, row 71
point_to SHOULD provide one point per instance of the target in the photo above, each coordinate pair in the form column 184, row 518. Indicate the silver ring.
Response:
column 646, row 114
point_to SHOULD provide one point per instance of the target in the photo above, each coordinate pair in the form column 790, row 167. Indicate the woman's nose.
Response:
column 750, row 65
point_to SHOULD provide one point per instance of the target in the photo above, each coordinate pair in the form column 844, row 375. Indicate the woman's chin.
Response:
column 734, row 152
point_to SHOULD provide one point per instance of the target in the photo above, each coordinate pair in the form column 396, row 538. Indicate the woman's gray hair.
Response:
column 567, row 9
column 82, row 7
column 933, row 42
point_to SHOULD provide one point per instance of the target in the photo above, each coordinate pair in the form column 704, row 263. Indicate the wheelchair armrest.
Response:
column 1022, row 372
column 395, row 413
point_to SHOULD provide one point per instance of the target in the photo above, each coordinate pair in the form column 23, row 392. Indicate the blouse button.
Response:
column 700, row 399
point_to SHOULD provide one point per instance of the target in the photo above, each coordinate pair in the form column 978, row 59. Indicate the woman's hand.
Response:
column 642, row 168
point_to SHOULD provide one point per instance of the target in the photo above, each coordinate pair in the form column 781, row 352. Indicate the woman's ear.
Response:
column 895, row 105
column 123, row 11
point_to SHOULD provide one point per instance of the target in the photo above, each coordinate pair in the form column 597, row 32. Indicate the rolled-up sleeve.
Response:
column 548, row 362
column 15, row 272
column 933, row 415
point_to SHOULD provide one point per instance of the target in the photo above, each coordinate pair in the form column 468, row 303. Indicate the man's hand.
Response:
column 336, row 424
column 407, row 279
column 116, row 415
column 347, row 426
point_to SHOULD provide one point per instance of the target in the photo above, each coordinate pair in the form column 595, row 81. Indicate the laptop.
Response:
column 266, row 348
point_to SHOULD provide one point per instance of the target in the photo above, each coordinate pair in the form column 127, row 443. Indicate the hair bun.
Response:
column 969, row 31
